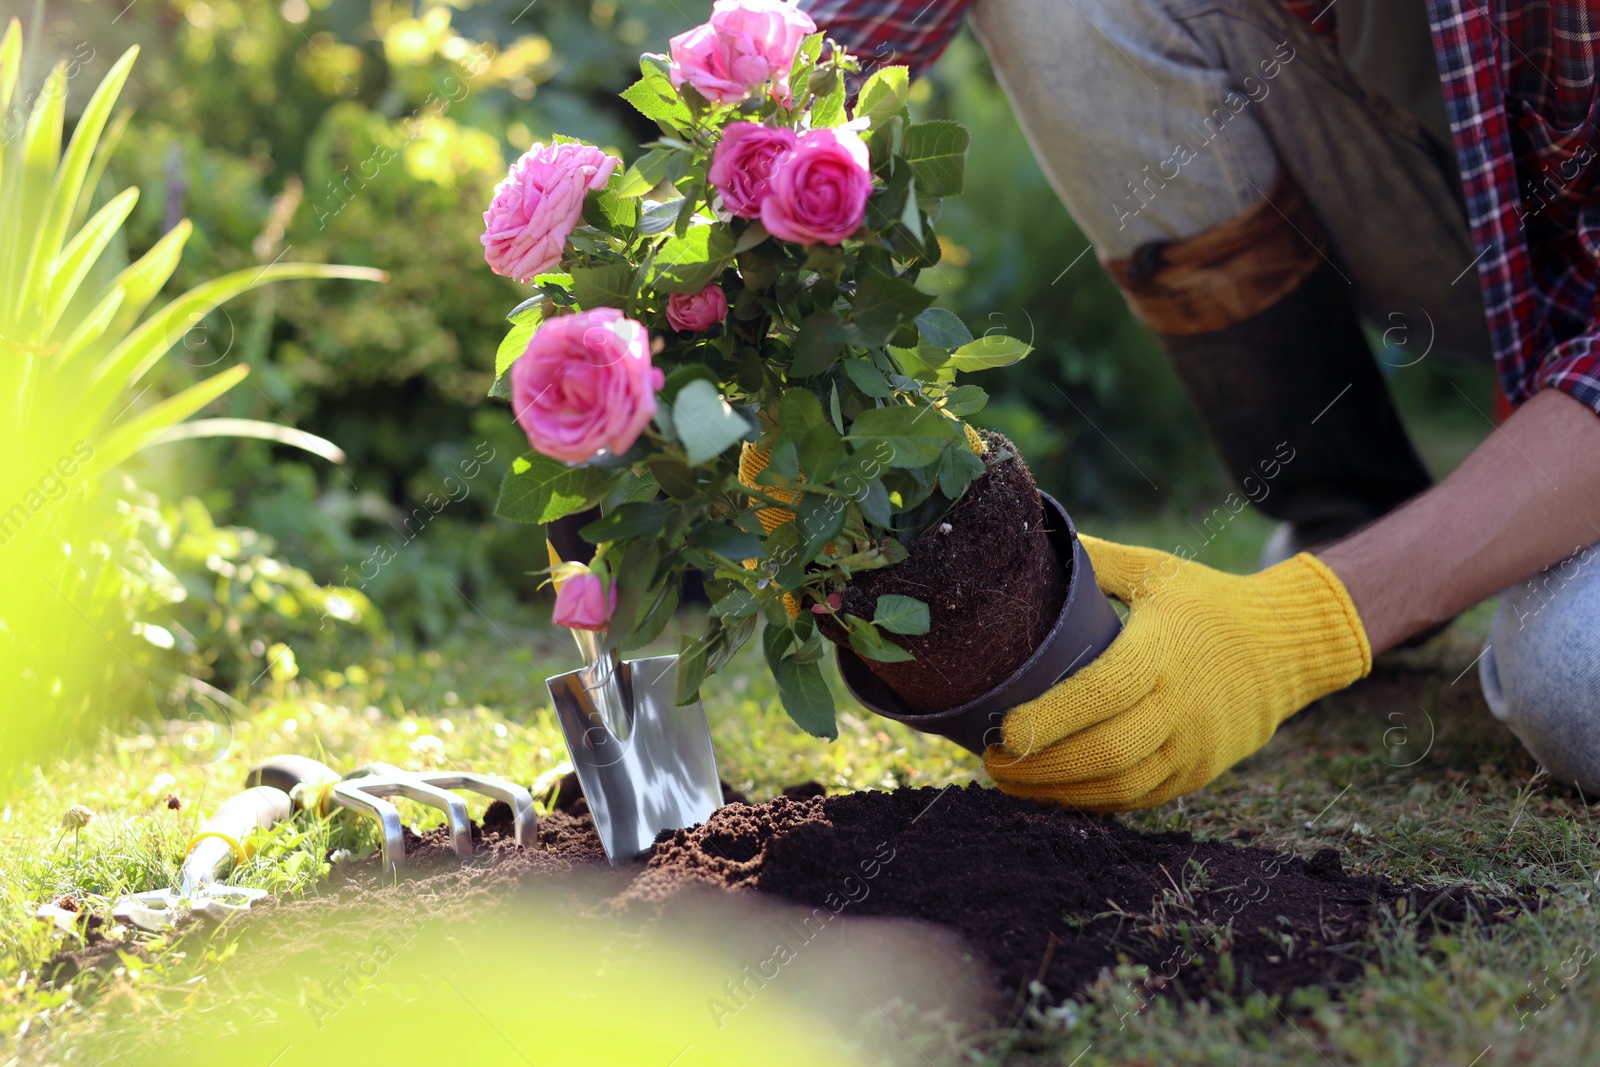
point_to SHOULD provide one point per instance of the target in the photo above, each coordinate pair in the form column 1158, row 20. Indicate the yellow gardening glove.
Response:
column 1206, row 668
column 752, row 463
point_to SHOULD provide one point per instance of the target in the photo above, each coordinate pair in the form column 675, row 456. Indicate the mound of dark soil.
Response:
column 1043, row 895
column 1040, row 894
column 1050, row 896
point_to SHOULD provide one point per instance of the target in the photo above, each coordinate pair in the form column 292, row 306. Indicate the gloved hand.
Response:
column 752, row 463
column 1206, row 668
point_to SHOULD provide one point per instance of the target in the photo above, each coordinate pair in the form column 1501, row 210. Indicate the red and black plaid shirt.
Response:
column 1520, row 88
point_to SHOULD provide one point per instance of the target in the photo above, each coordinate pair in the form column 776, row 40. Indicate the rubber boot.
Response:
column 1261, row 330
column 1299, row 412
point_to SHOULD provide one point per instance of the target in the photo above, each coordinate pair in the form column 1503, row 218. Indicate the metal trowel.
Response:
column 645, row 763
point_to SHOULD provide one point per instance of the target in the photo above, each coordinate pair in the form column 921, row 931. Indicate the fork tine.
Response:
column 353, row 796
column 525, row 819
column 411, row 787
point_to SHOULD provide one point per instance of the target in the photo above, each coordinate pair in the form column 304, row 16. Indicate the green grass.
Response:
column 1407, row 773
column 477, row 703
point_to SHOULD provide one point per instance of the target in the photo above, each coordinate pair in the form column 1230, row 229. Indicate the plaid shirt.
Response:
column 1522, row 88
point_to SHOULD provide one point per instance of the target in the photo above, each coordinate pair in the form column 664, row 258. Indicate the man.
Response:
column 1258, row 176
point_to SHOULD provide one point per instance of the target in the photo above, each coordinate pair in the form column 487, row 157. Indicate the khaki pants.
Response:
column 1157, row 120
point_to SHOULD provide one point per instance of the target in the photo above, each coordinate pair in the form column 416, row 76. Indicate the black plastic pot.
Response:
column 1086, row 626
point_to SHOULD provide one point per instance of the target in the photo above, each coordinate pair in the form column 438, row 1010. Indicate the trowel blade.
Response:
column 663, row 776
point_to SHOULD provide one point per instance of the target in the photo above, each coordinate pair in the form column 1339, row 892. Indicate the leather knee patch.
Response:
column 1228, row 273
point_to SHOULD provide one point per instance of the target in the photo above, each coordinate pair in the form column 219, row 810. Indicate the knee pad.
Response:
column 1540, row 670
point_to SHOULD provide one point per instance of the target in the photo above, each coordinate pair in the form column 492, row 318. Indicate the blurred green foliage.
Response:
column 220, row 598
column 373, row 133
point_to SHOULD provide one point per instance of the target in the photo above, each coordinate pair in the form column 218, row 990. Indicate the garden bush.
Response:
column 373, row 135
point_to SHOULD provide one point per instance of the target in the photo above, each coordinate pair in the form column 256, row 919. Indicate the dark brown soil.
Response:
column 992, row 583
column 96, row 951
column 1039, row 894
column 1055, row 897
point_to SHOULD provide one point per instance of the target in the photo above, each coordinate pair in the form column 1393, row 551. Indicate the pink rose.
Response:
column 536, row 206
column 585, row 383
column 584, row 603
column 747, row 44
column 743, row 163
column 697, row 312
column 819, row 192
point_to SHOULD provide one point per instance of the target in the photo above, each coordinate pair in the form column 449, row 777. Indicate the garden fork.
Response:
column 367, row 791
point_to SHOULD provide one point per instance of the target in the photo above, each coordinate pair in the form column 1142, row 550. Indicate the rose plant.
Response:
column 746, row 289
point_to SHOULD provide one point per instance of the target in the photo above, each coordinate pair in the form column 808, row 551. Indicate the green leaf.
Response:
column 989, row 351
column 530, row 310
column 706, row 423
column 654, row 97
column 883, row 142
column 916, row 361
column 634, row 489
column 634, row 577
column 914, row 436
column 689, row 263
column 881, row 304
column 821, row 451
column 868, row 379
column 659, row 218
column 608, row 286
column 675, row 479
column 68, row 181
column 654, row 616
column 963, row 400
column 783, row 546
column 691, row 669
column 874, row 504
column 801, row 685
column 514, row 344
column 867, row 641
column 888, row 205
column 901, row 615
column 827, row 109
column 646, row 172
column 605, row 210
column 628, row 520
column 731, row 636
column 943, row 329
column 805, row 695
column 556, row 288
column 159, row 420
column 884, row 94
column 682, row 376
column 538, row 489
column 957, row 469
column 911, row 213
column 937, row 152
column 808, row 53
column 815, row 348
column 783, row 463
column 820, row 519
column 737, row 603
column 141, row 349
column 752, row 237
column 726, row 541
column 799, row 411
